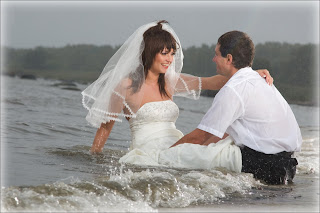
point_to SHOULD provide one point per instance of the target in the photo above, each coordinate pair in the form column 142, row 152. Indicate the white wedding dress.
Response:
column 153, row 131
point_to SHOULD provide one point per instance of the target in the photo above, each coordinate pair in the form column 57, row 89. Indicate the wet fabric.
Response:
column 277, row 168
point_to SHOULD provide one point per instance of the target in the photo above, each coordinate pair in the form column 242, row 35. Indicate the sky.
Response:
column 28, row 24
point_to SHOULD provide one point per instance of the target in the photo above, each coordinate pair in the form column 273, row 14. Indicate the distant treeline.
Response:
column 293, row 66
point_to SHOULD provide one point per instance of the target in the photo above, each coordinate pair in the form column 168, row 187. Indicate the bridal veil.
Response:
column 111, row 97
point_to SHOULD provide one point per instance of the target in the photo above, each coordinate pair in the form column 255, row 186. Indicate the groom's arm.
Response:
column 214, row 139
column 197, row 136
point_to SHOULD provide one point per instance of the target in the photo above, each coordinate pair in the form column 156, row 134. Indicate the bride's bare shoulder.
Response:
column 125, row 83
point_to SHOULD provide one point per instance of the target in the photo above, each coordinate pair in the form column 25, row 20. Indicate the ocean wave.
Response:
column 129, row 190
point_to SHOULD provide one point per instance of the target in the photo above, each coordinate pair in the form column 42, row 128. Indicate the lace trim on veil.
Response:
column 105, row 115
column 200, row 87
column 192, row 92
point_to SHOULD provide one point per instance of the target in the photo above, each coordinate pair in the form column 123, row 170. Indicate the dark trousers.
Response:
column 277, row 168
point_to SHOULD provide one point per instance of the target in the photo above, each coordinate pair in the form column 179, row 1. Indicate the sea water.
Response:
column 46, row 165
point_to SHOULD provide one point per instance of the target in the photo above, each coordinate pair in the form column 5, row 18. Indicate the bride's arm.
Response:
column 101, row 137
column 104, row 131
column 216, row 82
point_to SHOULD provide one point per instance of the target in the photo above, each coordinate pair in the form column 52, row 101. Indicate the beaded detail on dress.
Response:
column 158, row 111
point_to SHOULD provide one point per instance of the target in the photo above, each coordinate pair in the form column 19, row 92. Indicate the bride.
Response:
column 138, row 83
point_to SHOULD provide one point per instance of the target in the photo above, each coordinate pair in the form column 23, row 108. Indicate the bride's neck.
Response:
column 152, row 78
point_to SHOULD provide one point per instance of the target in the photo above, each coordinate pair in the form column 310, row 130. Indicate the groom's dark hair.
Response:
column 240, row 46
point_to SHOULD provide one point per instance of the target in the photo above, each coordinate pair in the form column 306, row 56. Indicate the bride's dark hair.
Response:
column 155, row 40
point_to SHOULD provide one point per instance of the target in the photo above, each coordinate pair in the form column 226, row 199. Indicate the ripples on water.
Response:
column 47, row 165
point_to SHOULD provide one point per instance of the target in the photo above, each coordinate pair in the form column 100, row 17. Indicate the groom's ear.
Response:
column 229, row 59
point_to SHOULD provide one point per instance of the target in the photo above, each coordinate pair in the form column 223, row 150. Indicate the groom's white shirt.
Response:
column 254, row 114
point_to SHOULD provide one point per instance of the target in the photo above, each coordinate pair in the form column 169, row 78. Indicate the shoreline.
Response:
column 204, row 93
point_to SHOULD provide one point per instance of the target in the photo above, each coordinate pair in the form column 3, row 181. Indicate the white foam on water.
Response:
column 68, row 199
column 308, row 157
column 144, row 191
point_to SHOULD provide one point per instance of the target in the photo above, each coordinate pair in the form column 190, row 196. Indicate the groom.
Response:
column 253, row 113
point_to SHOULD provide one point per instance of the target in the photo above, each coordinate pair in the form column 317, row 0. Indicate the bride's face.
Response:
column 162, row 61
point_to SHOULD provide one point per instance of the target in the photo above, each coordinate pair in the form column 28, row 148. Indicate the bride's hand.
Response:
column 264, row 73
column 95, row 151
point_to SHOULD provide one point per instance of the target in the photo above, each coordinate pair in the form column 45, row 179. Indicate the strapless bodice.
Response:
column 154, row 120
column 158, row 111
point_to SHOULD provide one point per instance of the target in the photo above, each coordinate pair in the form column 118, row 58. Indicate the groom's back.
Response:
column 268, row 123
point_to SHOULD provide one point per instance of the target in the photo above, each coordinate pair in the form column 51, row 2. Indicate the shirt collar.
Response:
column 241, row 71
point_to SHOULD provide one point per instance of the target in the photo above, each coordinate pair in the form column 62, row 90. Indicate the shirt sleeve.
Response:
column 227, row 106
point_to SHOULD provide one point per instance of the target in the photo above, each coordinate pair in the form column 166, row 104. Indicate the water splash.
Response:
column 130, row 190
